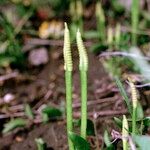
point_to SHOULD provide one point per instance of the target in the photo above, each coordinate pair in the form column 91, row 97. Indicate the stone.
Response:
column 38, row 57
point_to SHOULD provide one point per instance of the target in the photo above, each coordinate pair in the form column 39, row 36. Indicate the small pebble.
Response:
column 8, row 98
column 38, row 57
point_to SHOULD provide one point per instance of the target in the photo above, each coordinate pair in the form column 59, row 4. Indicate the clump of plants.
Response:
column 136, row 124
column 83, row 67
column 133, row 127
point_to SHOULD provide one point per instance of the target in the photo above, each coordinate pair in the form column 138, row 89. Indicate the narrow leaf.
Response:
column 118, row 122
column 28, row 111
column 139, row 112
column 124, row 95
column 14, row 124
column 107, row 141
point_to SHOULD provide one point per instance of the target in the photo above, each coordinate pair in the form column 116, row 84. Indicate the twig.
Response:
column 104, row 113
column 140, row 86
column 116, row 135
column 98, row 101
column 8, row 76
column 18, row 114
column 119, row 53
column 30, row 43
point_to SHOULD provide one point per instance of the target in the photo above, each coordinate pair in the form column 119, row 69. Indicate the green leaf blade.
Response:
column 79, row 142
column 12, row 124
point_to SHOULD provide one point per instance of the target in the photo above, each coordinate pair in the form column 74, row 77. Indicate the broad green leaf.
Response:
column 52, row 112
column 124, row 94
column 79, row 142
column 28, row 111
column 12, row 124
column 90, row 127
column 142, row 141
column 146, row 121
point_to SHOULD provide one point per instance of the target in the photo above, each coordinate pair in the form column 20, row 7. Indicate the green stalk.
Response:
column 110, row 37
column 134, row 20
column 134, row 121
column 68, row 80
column 72, row 10
column 134, row 105
column 83, row 67
column 79, row 12
column 125, row 133
column 117, row 36
column 83, row 77
column 100, row 21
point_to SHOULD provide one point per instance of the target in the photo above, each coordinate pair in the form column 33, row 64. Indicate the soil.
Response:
column 45, row 85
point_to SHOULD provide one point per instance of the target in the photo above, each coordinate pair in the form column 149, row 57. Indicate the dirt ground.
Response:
column 45, row 85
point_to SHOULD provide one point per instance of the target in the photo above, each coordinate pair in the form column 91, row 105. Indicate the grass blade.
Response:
column 124, row 94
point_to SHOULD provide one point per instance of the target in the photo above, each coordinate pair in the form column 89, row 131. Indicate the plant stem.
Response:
column 125, row 133
column 83, row 67
column 134, row 106
column 100, row 21
column 83, row 77
column 79, row 12
column 134, row 120
column 68, row 80
column 135, row 20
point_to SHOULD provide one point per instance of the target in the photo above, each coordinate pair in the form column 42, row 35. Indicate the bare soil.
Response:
column 45, row 85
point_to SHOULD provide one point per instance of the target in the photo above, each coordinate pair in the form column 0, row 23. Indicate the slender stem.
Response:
column 68, row 79
column 134, row 118
column 100, row 21
column 125, row 134
column 135, row 20
column 83, row 77
column 134, row 106
column 79, row 12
